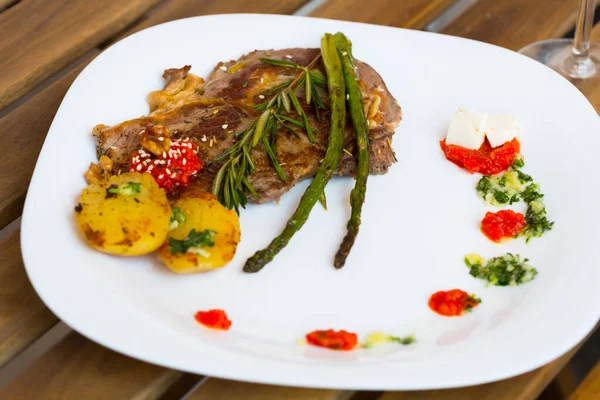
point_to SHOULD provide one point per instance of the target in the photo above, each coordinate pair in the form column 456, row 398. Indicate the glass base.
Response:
column 582, row 72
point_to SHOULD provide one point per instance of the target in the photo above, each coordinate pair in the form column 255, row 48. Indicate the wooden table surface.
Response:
column 44, row 44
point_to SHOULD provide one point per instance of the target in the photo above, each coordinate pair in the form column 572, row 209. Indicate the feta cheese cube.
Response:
column 501, row 129
column 467, row 129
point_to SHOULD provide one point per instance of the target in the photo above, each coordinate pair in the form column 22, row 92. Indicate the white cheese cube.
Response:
column 467, row 129
column 501, row 129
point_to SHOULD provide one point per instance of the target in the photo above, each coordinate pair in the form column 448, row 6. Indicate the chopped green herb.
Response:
column 403, row 340
column 501, row 197
column 380, row 338
column 531, row 193
column 523, row 177
column 502, row 181
column 508, row 270
column 195, row 242
column 127, row 189
column 177, row 217
column 537, row 222
column 518, row 163
column 472, row 302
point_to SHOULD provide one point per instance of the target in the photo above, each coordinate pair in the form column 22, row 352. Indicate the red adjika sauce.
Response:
column 486, row 160
column 502, row 224
column 214, row 319
column 452, row 303
column 173, row 168
column 334, row 340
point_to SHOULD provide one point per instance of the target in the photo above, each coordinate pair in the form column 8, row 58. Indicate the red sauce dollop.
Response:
column 334, row 340
column 502, row 224
column 173, row 169
column 452, row 303
column 214, row 319
column 486, row 160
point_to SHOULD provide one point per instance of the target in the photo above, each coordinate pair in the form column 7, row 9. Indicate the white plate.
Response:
column 419, row 221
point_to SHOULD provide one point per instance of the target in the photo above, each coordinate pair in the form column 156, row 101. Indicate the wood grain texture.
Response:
column 39, row 37
column 23, row 316
column 523, row 387
column 177, row 9
column 221, row 389
column 413, row 14
column 6, row 3
column 515, row 23
column 77, row 368
column 22, row 133
column 589, row 389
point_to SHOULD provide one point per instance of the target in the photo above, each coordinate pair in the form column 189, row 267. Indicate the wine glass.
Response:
column 578, row 60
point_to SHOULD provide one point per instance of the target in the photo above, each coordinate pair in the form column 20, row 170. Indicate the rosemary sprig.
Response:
column 231, row 182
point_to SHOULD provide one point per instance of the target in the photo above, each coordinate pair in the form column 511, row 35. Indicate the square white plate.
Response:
column 419, row 221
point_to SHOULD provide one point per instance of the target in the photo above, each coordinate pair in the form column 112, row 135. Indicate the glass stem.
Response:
column 583, row 30
column 579, row 65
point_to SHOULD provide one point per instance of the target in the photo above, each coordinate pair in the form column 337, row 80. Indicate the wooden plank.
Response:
column 594, row 87
column 221, row 389
column 589, row 389
column 39, row 37
column 414, row 14
column 178, row 9
column 22, row 133
column 6, row 3
column 23, row 316
column 77, row 368
column 515, row 23
column 523, row 387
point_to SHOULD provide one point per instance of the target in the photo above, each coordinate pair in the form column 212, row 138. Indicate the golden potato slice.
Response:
column 205, row 221
column 127, row 215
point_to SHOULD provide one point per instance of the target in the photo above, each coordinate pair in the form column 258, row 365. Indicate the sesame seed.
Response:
column 347, row 96
column 160, row 139
column 139, row 167
column 161, row 176
column 183, row 151
column 114, row 147
column 230, row 131
column 184, row 161
column 150, row 168
column 168, row 171
column 224, row 126
column 162, row 162
column 164, row 154
column 344, row 53
column 175, row 156
column 215, row 139
column 260, row 96
column 216, row 111
column 288, row 56
column 223, row 68
column 211, row 143
column 262, row 79
column 203, row 138
column 156, row 162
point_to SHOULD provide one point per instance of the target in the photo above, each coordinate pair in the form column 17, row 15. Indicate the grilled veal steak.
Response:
column 213, row 112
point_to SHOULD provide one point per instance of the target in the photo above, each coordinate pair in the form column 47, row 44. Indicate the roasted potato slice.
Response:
column 126, row 215
column 205, row 234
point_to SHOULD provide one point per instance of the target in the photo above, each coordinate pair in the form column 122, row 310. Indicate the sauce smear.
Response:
column 452, row 303
column 334, row 340
column 486, row 160
column 502, row 224
column 214, row 319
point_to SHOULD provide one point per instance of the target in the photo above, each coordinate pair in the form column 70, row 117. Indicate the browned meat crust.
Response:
column 213, row 112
